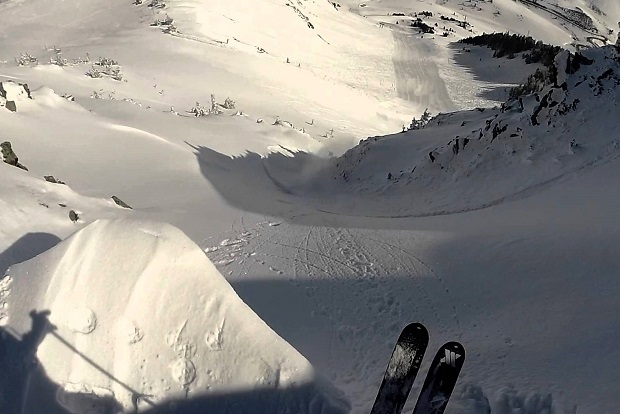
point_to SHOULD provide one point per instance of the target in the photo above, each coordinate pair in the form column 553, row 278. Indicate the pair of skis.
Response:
column 404, row 366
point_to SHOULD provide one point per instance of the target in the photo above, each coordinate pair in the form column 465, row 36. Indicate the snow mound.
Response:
column 17, row 97
column 141, row 319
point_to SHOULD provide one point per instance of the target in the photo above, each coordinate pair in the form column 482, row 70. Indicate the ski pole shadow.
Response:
column 23, row 376
column 18, row 359
column 25, row 387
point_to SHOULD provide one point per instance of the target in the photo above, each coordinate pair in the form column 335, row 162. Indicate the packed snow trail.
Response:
column 344, row 288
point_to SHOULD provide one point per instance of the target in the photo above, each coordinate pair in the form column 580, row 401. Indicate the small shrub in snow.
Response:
column 114, row 73
column 59, row 61
column 106, row 62
column 215, row 110
column 280, row 122
column 98, row 70
column 26, row 59
column 157, row 4
column 228, row 104
column 329, row 134
column 79, row 60
column 199, row 110
column 93, row 73
column 163, row 22
column 54, row 49
column 422, row 122
column 169, row 29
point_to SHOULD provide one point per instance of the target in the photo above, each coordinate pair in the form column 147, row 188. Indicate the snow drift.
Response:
column 131, row 315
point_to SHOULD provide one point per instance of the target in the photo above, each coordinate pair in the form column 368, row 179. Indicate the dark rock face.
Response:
column 52, row 179
column 73, row 216
column 9, row 157
column 120, row 202
column 9, row 94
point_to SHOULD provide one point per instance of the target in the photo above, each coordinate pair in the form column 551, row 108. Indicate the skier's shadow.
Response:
column 22, row 375
column 25, row 387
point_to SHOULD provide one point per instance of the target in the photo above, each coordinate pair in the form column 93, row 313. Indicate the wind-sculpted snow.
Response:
column 139, row 317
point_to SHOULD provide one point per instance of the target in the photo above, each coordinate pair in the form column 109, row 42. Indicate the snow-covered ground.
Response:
column 495, row 227
column 170, row 333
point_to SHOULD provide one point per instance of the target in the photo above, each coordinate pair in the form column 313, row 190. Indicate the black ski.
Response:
column 401, row 370
column 441, row 379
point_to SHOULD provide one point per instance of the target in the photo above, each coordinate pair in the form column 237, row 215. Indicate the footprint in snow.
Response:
column 82, row 320
column 183, row 371
column 128, row 330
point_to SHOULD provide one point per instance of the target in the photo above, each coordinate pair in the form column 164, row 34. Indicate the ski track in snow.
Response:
column 347, row 274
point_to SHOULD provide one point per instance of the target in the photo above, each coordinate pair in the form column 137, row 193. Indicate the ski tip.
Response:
column 415, row 327
column 455, row 346
column 453, row 354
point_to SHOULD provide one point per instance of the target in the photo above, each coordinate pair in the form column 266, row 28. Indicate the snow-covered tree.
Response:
column 420, row 123
column 229, row 103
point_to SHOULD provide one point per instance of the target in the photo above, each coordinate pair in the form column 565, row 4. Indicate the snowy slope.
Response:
column 141, row 319
column 321, row 259
column 465, row 160
column 528, row 286
column 488, row 156
column 35, row 213
column 531, row 232
column 569, row 23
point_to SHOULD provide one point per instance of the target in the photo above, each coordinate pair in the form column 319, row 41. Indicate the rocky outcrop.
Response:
column 11, row 93
column 120, row 202
column 52, row 179
column 9, row 157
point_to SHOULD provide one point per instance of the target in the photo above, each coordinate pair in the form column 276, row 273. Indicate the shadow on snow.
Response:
column 27, row 247
column 25, row 388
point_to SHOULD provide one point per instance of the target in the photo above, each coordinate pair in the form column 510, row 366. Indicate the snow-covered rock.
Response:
column 133, row 315
column 11, row 94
